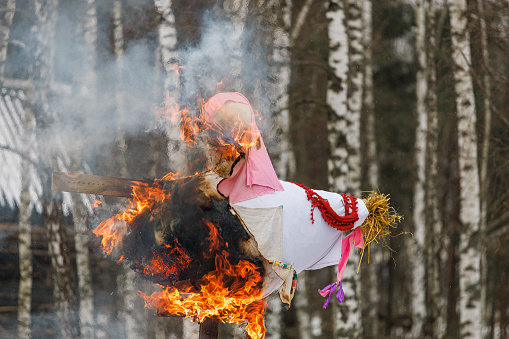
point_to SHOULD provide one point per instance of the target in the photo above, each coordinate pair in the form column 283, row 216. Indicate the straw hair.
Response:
column 382, row 217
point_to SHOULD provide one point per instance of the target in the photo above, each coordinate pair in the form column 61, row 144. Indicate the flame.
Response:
column 221, row 85
column 230, row 143
column 113, row 229
column 176, row 68
column 231, row 292
column 235, row 304
column 167, row 264
column 96, row 203
column 215, row 243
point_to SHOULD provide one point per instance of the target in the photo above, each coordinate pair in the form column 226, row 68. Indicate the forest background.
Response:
column 408, row 97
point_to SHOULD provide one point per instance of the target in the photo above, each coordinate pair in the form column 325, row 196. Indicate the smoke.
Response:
column 92, row 103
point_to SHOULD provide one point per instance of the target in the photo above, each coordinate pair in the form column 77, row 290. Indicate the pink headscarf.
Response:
column 253, row 175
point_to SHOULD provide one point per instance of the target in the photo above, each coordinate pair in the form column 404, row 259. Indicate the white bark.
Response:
column 417, row 247
column 273, row 318
column 302, row 307
column 355, row 85
column 349, row 320
column 236, row 10
column 60, row 263
column 284, row 164
column 484, row 179
column 369, row 105
column 81, row 235
column 190, row 329
column 128, row 313
column 6, row 17
column 436, row 256
column 46, row 14
column 337, row 97
column 469, row 252
column 25, row 229
column 167, row 35
column 86, row 302
column 371, row 306
column 118, row 49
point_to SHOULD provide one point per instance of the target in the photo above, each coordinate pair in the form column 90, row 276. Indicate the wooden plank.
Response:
column 92, row 184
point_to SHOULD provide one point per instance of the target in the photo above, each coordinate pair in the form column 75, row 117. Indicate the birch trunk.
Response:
column 6, row 17
column 63, row 290
column 46, row 17
column 349, row 320
column 284, row 161
column 302, row 306
column 81, row 236
column 285, row 165
column 417, row 247
column 167, row 35
column 273, row 318
column 435, row 257
column 337, row 124
column 337, row 97
column 236, row 10
column 470, row 254
column 371, row 306
column 484, row 180
column 25, row 226
column 369, row 105
column 125, row 280
column 355, row 77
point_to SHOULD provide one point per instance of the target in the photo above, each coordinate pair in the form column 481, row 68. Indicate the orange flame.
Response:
column 215, row 243
column 231, row 292
column 240, row 302
column 96, row 203
column 176, row 68
column 166, row 264
column 113, row 229
column 230, row 144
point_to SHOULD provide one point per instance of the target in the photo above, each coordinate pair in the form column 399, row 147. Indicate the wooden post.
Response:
column 209, row 328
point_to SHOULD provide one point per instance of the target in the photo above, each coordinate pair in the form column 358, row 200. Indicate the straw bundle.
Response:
column 382, row 217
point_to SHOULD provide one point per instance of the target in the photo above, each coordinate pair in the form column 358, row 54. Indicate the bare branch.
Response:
column 300, row 21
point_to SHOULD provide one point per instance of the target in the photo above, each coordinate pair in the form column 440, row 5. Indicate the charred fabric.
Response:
column 178, row 241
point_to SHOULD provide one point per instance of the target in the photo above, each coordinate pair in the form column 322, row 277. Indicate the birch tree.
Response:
column 348, row 322
column 6, row 17
column 46, row 13
column 17, row 186
column 469, row 251
column 434, row 257
column 169, row 58
column 484, row 182
column 371, row 306
column 419, row 290
column 25, row 225
column 236, row 10
column 126, row 279
column 81, row 203
column 337, row 97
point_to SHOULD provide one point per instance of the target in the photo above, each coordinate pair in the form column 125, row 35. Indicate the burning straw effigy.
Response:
column 217, row 251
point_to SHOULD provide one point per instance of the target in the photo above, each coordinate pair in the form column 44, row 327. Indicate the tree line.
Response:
column 405, row 97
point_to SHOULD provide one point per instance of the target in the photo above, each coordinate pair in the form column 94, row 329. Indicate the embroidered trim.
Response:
column 294, row 280
column 342, row 223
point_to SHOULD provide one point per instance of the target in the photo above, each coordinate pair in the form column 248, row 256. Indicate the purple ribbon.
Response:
column 330, row 289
